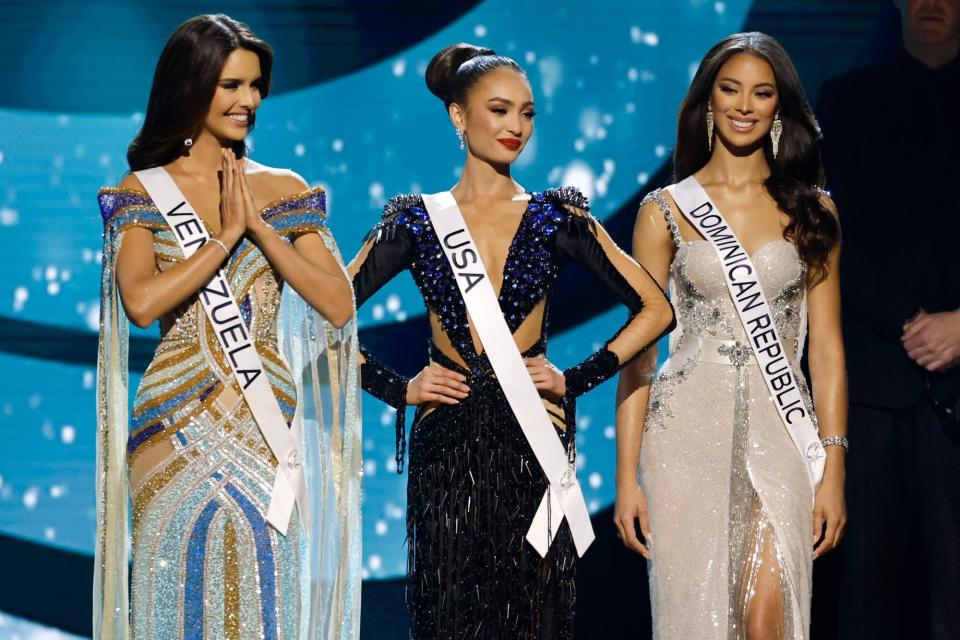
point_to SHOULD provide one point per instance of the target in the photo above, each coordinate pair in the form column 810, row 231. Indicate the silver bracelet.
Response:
column 222, row 245
column 838, row 441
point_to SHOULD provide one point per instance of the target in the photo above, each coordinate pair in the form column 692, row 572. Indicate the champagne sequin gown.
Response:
column 723, row 479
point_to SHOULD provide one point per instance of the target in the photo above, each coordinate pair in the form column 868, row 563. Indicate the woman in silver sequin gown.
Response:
column 726, row 513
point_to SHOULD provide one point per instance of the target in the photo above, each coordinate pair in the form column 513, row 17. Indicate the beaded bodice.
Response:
column 700, row 296
column 189, row 370
column 531, row 266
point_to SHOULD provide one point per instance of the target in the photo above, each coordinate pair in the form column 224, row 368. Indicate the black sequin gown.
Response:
column 474, row 482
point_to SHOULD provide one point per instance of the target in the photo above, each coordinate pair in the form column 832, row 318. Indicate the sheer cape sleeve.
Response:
column 121, row 209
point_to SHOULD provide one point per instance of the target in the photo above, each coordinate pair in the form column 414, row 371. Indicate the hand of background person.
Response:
column 549, row 380
column 629, row 509
column 829, row 515
column 932, row 340
column 435, row 383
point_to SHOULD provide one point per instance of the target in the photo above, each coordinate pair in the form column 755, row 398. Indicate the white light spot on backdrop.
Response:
column 136, row 117
column 8, row 409
column 635, row 34
column 53, row 288
column 630, row 107
column 1, row 157
column 381, row 527
column 399, row 67
column 651, row 39
column 660, row 150
column 20, row 297
column 299, row 150
column 50, row 273
column 57, row 491
column 530, row 57
column 89, row 377
column 480, row 30
column 551, row 75
column 63, row 120
column 47, row 430
column 387, row 416
column 579, row 174
column 579, row 144
column 368, row 444
column 370, row 468
column 401, row 316
column 719, row 7
column 68, row 434
column 590, row 123
column 92, row 316
column 378, row 312
column 632, row 74
column 337, row 145
column 30, row 497
column 393, row 511
column 595, row 480
column 9, row 217
column 609, row 432
column 393, row 303
column 34, row 401
column 49, row 533
column 104, row 160
column 375, row 562
column 643, row 177
column 391, row 465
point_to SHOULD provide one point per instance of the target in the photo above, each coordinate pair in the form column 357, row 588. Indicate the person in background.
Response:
column 891, row 138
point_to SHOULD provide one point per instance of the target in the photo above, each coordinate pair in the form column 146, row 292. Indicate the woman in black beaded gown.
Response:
column 475, row 483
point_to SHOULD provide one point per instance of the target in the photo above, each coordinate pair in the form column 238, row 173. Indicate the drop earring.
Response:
column 709, row 128
column 461, row 137
column 775, row 132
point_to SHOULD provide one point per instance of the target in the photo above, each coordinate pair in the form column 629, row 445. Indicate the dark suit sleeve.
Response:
column 870, row 290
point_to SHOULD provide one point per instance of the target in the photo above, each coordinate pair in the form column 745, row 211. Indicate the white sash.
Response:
column 221, row 308
column 564, row 496
column 757, row 320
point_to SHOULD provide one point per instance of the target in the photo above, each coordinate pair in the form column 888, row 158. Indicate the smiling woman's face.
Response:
column 745, row 101
column 237, row 97
column 498, row 117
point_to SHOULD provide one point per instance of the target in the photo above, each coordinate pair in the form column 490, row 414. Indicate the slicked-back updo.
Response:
column 458, row 67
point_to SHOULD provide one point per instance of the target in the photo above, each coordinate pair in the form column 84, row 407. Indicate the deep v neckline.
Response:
column 511, row 248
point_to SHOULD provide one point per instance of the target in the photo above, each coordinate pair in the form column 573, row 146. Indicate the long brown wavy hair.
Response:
column 184, row 84
column 796, row 174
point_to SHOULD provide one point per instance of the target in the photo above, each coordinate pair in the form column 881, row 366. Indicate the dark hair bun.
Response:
column 443, row 67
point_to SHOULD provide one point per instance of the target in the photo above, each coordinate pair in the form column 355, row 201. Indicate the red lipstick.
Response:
column 510, row 143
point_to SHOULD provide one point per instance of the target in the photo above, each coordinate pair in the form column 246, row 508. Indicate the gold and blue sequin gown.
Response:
column 474, row 483
column 206, row 564
column 721, row 475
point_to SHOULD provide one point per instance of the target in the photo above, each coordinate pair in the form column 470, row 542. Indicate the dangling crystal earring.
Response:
column 709, row 128
column 461, row 137
column 775, row 132
column 188, row 143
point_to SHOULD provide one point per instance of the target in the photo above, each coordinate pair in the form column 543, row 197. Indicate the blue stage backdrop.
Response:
column 608, row 76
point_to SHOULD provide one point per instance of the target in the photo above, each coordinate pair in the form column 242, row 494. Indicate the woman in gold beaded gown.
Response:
column 727, row 515
column 209, row 557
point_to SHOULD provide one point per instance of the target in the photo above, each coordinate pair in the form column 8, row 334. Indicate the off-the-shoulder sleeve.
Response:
column 580, row 237
column 387, row 251
column 298, row 214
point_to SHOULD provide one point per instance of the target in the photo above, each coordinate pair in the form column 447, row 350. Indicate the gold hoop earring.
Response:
column 775, row 132
column 709, row 128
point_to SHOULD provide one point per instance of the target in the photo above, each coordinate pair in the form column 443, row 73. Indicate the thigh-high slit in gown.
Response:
column 728, row 493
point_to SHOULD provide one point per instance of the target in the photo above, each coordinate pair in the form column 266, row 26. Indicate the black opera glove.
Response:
column 384, row 383
column 596, row 369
